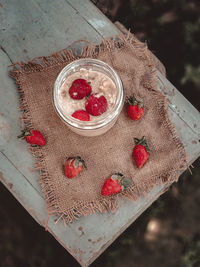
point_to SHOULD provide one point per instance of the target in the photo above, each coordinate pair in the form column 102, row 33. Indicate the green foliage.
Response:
column 192, row 74
column 157, row 208
column 191, row 257
column 172, row 31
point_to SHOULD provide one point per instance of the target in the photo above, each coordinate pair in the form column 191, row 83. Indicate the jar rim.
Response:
column 104, row 119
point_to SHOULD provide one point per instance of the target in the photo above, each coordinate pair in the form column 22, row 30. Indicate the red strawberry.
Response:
column 73, row 166
column 79, row 89
column 135, row 108
column 115, row 184
column 81, row 115
column 96, row 105
column 141, row 152
column 33, row 137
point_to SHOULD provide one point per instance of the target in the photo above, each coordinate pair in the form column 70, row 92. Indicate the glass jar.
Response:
column 103, row 122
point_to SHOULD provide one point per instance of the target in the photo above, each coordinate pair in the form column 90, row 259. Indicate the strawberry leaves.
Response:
column 116, row 183
column 132, row 101
column 142, row 142
column 116, row 176
column 126, row 182
column 77, row 162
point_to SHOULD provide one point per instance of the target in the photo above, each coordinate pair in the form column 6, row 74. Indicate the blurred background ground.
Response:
column 168, row 233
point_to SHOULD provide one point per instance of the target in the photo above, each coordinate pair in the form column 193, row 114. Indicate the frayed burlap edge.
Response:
column 92, row 51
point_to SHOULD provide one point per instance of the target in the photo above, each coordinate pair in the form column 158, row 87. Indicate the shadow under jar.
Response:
column 99, row 124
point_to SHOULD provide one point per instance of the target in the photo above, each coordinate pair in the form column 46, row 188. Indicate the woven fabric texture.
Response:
column 71, row 198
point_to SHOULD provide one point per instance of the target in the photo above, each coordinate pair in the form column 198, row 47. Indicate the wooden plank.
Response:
column 98, row 21
column 36, row 32
column 186, row 112
column 88, row 237
column 82, row 238
column 84, row 251
column 10, row 126
column 38, row 28
column 22, row 190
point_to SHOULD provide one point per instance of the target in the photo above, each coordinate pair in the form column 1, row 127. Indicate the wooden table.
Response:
column 32, row 28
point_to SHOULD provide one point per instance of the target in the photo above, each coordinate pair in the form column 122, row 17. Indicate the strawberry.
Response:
column 135, row 108
column 73, row 166
column 96, row 105
column 79, row 89
column 81, row 115
column 115, row 184
column 33, row 137
column 141, row 152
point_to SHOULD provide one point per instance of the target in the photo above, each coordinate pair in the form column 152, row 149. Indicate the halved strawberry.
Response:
column 81, row 115
column 79, row 89
column 96, row 105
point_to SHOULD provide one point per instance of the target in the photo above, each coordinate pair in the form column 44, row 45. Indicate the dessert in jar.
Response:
column 88, row 96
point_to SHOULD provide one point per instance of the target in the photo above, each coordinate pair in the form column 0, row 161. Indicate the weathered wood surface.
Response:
column 38, row 28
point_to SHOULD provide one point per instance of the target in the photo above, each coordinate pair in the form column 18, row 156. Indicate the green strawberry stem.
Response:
column 84, row 165
column 77, row 159
column 119, row 174
column 25, row 132
column 122, row 180
column 132, row 101
column 142, row 142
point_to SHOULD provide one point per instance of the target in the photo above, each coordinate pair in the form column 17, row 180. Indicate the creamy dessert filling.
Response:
column 101, row 85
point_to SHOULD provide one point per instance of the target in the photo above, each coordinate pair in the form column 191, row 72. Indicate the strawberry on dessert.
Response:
column 96, row 104
column 81, row 115
column 87, row 94
column 79, row 89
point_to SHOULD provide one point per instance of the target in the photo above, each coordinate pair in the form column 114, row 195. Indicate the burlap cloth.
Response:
column 72, row 198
